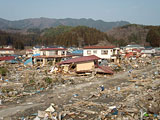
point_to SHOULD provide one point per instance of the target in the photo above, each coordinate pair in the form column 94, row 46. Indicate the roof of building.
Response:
column 53, row 56
column 7, row 58
column 50, row 49
column 99, row 47
column 104, row 69
column 133, row 46
column 137, row 50
column 2, row 49
column 80, row 59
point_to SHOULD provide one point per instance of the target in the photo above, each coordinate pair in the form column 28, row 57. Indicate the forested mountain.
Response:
column 153, row 36
column 73, row 36
column 81, row 36
column 19, row 41
column 133, row 33
column 59, row 36
column 42, row 23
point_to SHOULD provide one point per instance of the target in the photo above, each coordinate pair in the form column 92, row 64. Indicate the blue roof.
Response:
column 28, row 61
column 36, row 54
column 77, row 52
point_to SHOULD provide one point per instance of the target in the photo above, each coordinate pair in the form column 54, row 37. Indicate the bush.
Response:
column 31, row 81
column 3, row 71
column 48, row 80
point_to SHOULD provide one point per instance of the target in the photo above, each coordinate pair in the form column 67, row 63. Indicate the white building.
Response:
column 103, row 52
column 53, row 51
column 51, row 55
column 6, row 51
column 148, row 52
column 131, row 47
column 29, row 53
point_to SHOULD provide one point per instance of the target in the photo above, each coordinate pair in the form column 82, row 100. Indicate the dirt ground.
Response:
column 63, row 94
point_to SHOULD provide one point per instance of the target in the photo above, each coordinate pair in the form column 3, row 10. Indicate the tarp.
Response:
column 77, row 52
column 28, row 62
column 36, row 54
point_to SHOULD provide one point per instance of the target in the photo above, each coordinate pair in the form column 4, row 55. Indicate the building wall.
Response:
column 53, row 52
column 50, row 53
column 29, row 52
column 36, row 51
column 151, row 51
column 6, row 52
column 85, row 66
column 99, row 53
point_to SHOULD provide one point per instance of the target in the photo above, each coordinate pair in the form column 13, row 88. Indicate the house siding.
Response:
column 99, row 53
column 6, row 52
column 53, row 52
column 85, row 66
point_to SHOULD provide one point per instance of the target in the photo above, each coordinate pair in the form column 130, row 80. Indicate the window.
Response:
column 89, row 52
column 63, row 52
column 114, row 51
column 104, row 52
column 95, row 51
column 44, row 53
column 56, row 52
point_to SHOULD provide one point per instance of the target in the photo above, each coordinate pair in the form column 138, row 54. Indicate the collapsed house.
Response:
column 133, row 54
column 85, row 64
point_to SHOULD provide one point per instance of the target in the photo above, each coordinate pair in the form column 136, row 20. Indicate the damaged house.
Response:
column 52, row 55
column 109, row 53
column 85, row 64
column 6, row 51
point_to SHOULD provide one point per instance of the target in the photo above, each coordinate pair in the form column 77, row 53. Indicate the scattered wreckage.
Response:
column 138, row 98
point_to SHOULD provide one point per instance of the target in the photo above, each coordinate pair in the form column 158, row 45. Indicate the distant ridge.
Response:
column 42, row 23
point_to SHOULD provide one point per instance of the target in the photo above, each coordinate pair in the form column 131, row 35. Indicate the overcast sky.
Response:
column 135, row 11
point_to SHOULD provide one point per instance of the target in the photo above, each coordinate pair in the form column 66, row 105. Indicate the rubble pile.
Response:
column 136, row 99
column 125, row 65
column 27, row 81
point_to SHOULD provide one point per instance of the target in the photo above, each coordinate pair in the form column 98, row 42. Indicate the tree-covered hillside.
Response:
column 59, row 36
column 81, row 36
column 73, row 36
column 133, row 33
column 153, row 36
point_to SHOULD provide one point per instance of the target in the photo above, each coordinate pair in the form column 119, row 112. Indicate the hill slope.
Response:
column 127, row 34
column 60, row 36
column 42, row 23
column 74, row 36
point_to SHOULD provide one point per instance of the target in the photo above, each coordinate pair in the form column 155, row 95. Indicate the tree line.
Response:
column 60, row 36
column 153, row 36
column 72, row 36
